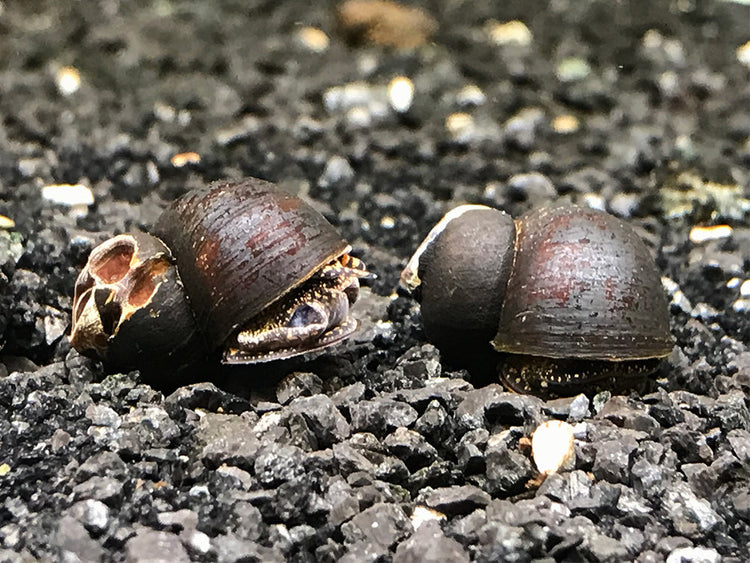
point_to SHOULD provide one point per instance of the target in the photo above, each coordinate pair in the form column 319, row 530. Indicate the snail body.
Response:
column 239, row 266
column 570, row 295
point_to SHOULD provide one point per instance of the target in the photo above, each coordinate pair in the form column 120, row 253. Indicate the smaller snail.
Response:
column 239, row 266
column 571, row 296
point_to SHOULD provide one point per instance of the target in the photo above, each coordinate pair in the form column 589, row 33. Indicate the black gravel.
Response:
column 378, row 450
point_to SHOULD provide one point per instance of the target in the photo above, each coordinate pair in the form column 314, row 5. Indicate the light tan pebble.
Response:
column 184, row 158
column 459, row 123
column 565, row 124
column 6, row 223
column 511, row 32
column 313, row 39
column 385, row 23
column 743, row 54
column 387, row 222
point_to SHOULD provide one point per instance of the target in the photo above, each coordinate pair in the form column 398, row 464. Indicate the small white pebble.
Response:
column 741, row 305
column 581, row 431
column 652, row 39
column 55, row 324
column 669, row 285
column 743, row 54
column 401, row 93
column 199, row 542
column 423, row 514
column 283, row 531
column 471, row 95
column 571, row 69
column 595, row 201
column 359, row 117
column 492, row 190
column 745, row 288
column 164, row 112
column 267, row 421
column 694, row 555
column 669, row 83
column 734, row 283
column 384, row 329
column 68, row 194
column 199, row 491
column 184, row 118
column 552, row 446
column 152, row 171
column 705, row 234
column 682, row 302
column 347, row 96
column 684, row 144
column 367, row 63
column 704, row 312
column 68, row 80
column 512, row 32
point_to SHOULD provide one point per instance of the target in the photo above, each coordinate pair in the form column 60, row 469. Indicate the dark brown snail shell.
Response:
column 128, row 281
column 454, row 285
column 242, row 266
column 570, row 295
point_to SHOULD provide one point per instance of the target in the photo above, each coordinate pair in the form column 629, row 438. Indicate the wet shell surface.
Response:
column 242, row 267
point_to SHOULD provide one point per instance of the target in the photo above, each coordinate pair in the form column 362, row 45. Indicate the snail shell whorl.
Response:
column 584, row 285
column 240, row 246
column 462, row 271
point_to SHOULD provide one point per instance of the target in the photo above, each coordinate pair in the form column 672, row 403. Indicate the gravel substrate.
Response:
column 378, row 449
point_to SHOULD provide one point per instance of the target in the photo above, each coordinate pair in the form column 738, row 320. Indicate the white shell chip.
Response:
column 68, row 194
column 552, row 446
column 699, row 235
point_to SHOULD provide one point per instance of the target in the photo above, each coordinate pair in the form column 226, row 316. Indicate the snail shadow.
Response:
column 255, row 383
column 481, row 363
column 550, row 378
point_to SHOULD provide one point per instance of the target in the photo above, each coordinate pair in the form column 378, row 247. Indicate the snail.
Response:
column 570, row 296
column 242, row 267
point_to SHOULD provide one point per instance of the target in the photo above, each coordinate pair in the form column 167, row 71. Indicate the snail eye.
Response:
column 306, row 315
